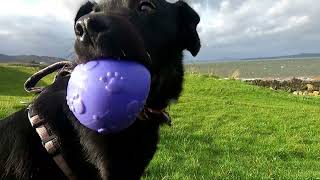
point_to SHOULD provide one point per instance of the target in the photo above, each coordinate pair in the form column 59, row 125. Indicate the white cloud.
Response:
column 251, row 18
column 63, row 10
column 228, row 28
column 44, row 27
column 232, row 24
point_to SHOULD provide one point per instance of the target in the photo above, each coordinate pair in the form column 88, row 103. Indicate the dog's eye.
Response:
column 146, row 6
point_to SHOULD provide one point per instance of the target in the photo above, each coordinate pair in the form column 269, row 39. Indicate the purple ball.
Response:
column 106, row 95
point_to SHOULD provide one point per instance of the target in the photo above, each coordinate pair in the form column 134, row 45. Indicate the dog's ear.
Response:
column 85, row 9
column 188, row 21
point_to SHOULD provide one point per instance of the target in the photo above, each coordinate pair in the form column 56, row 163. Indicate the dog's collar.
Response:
column 50, row 142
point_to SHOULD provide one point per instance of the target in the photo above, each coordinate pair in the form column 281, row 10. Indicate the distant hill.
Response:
column 295, row 56
column 302, row 55
column 28, row 58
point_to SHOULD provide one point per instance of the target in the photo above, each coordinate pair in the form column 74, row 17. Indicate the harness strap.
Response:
column 30, row 84
column 161, row 116
column 50, row 142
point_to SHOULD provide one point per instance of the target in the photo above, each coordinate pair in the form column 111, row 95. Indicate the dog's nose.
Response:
column 80, row 30
column 88, row 27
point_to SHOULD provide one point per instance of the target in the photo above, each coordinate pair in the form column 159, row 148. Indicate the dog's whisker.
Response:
column 149, row 57
column 123, row 53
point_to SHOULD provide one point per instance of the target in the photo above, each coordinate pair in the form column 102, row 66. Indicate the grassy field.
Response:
column 12, row 93
column 284, row 68
column 222, row 129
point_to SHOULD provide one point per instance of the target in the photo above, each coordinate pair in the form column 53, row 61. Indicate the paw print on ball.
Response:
column 76, row 104
column 114, row 82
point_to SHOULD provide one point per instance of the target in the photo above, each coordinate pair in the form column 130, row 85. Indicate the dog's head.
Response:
column 152, row 32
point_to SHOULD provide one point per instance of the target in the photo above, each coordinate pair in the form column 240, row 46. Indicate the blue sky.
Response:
column 228, row 28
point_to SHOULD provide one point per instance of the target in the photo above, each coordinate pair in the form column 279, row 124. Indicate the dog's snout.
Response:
column 90, row 26
column 109, row 35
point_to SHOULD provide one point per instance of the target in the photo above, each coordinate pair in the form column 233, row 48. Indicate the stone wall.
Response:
column 295, row 85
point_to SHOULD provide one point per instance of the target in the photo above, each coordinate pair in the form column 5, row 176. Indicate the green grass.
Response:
column 12, row 93
column 229, row 130
column 223, row 129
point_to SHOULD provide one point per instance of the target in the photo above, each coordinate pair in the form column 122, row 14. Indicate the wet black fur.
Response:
column 163, row 33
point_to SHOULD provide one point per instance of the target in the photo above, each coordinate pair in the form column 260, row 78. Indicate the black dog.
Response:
column 152, row 32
